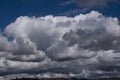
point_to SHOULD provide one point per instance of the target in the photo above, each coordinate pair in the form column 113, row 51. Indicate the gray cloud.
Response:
column 90, row 3
column 86, row 45
column 84, row 6
column 93, row 3
column 93, row 40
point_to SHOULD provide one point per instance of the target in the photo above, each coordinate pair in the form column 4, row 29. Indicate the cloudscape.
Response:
column 86, row 45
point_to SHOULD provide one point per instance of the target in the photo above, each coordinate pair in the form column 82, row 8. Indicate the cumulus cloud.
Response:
column 86, row 45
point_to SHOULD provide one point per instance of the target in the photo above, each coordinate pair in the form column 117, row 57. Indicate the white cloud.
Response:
column 87, row 43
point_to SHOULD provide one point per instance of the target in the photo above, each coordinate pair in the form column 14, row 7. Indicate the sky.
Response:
column 11, row 9
column 60, row 38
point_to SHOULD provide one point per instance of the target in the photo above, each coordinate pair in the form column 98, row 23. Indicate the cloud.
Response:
column 4, row 44
column 93, row 40
column 90, row 3
column 86, row 45
column 65, row 52
column 93, row 3
column 83, row 6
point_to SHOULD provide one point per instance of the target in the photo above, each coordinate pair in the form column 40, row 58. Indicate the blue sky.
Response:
column 11, row 9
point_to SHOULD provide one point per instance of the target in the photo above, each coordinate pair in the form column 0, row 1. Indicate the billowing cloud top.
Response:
column 87, row 45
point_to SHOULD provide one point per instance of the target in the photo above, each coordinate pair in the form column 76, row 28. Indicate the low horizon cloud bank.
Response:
column 86, row 45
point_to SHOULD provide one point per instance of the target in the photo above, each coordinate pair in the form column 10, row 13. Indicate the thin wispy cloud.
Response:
column 90, row 3
column 83, row 6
